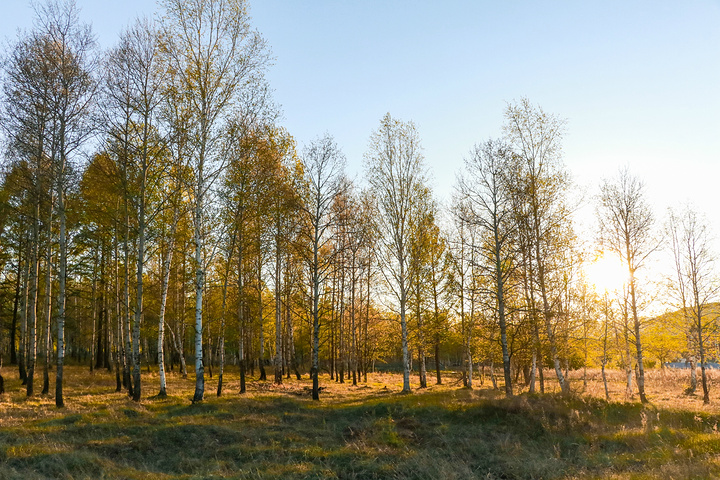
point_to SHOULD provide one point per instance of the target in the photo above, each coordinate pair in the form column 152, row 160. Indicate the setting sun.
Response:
column 607, row 273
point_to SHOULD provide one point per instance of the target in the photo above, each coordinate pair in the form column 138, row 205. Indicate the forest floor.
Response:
column 357, row 432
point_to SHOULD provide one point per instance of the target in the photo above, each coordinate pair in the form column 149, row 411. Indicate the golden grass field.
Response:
column 357, row 432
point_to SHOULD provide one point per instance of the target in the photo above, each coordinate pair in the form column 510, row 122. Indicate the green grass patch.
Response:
column 366, row 432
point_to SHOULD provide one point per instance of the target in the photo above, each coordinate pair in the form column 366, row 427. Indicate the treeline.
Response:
column 153, row 210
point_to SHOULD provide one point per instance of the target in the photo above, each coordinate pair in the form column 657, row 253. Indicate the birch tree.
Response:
column 540, row 196
column 459, row 272
column 71, row 62
column 438, row 269
column 626, row 225
column 323, row 164
column 25, row 118
column 696, row 283
column 214, row 54
column 135, row 87
column 489, row 208
column 419, row 273
column 397, row 175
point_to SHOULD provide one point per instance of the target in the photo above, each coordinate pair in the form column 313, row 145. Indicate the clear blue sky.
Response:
column 638, row 81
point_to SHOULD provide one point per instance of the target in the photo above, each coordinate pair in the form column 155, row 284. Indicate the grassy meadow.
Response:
column 362, row 432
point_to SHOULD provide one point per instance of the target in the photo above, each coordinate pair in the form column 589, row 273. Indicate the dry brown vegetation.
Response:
column 367, row 431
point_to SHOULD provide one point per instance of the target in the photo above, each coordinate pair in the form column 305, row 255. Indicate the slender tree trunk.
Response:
column 552, row 341
column 436, row 319
column 404, row 331
column 701, row 344
column 533, row 370
column 278, row 310
column 638, row 342
column 341, row 331
column 139, row 293
column 500, row 286
column 22, row 351
column 703, row 373
column 333, row 323
column 95, row 318
column 221, row 342
column 366, row 340
column 469, row 368
column 585, row 347
column 164, row 286
column 492, row 375
column 199, row 289
column 315, row 343
column 62, row 274
column 48, row 314
column 315, row 275
column 422, row 371
column 693, row 375
column 93, row 301
column 353, row 330
column 16, row 302
column 438, row 378
column 31, row 307
column 101, row 358
column 241, row 355
column 291, row 338
column 108, row 343
column 120, row 357
column 352, row 349
column 605, row 349
column 179, row 342
column 241, row 309
column 470, row 324
column 129, row 361
column 261, row 357
column 628, row 359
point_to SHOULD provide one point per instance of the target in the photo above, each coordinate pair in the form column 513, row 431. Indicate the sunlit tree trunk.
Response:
column 22, row 350
column 223, row 313
column 696, row 284
column 139, row 285
column 31, row 307
column 396, row 173
column 93, row 303
column 241, row 313
column 199, row 290
column 48, row 310
column 260, row 319
column 129, row 360
column 626, row 223
column 540, row 194
column 606, row 327
column 120, row 357
column 62, row 275
column 164, row 287
column 278, row 304
column 215, row 56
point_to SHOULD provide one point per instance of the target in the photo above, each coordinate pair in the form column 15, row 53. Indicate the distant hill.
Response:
column 665, row 338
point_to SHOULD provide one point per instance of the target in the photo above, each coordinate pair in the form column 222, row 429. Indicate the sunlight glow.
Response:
column 607, row 273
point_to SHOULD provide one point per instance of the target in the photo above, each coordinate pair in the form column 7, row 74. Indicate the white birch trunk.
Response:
column 62, row 274
column 165, row 282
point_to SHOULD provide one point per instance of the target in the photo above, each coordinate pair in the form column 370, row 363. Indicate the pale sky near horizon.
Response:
column 637, row 81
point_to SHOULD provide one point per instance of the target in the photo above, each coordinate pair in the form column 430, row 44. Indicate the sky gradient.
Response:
column 637, row 81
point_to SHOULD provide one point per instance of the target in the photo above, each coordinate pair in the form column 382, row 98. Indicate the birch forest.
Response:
column 158, row 223
column 155, row 214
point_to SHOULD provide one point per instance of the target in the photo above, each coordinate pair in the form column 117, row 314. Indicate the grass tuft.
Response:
column 371, row 431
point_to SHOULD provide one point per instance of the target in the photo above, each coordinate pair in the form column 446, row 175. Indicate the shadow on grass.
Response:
column 451, row 434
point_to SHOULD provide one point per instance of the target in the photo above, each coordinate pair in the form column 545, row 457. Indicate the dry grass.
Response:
column 366, row 431
column 664, row 388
